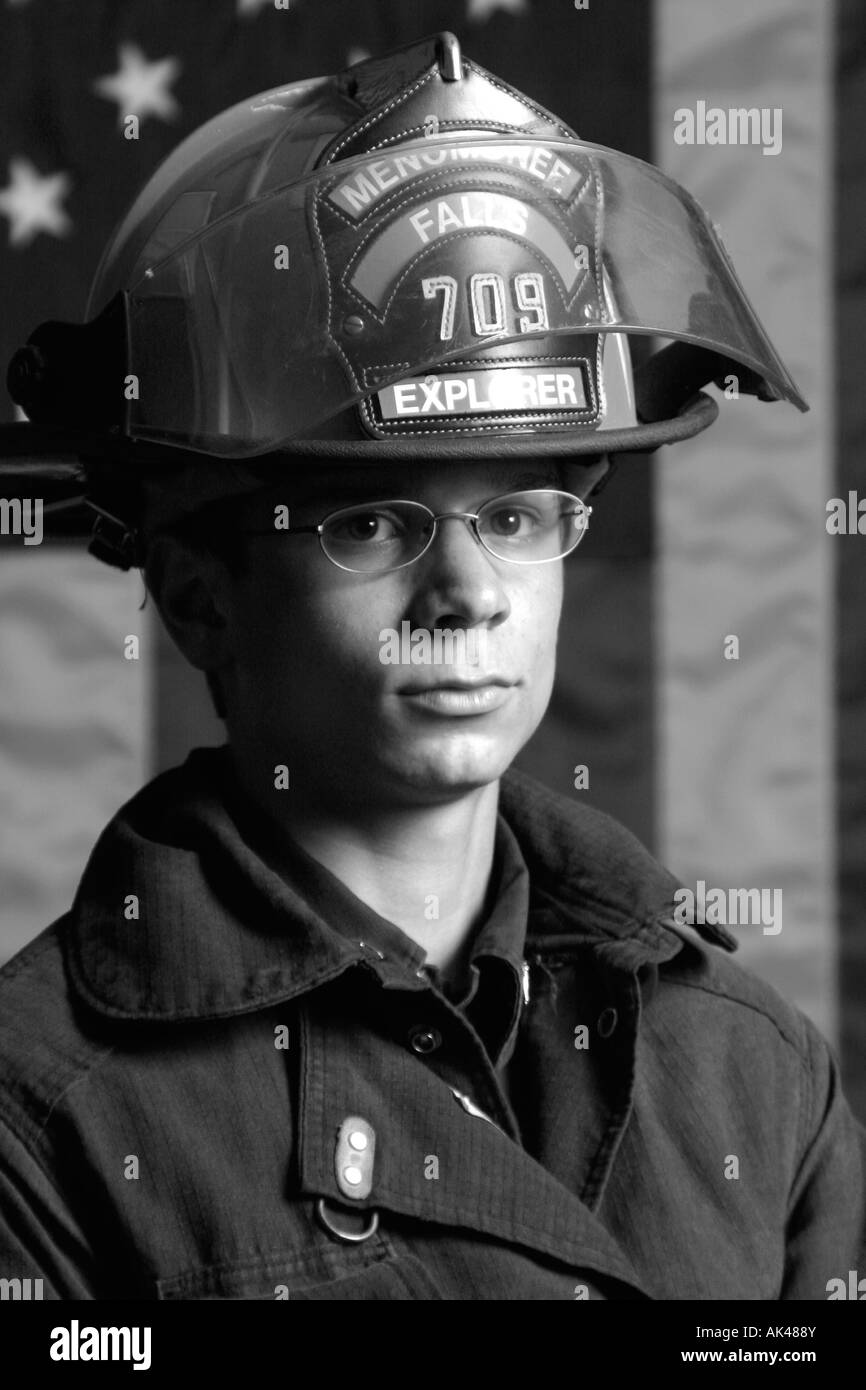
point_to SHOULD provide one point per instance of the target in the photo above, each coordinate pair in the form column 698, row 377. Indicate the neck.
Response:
column 426, row 869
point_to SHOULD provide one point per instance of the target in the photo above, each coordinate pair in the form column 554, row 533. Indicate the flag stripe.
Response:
column 746, row 746
column 75, row 729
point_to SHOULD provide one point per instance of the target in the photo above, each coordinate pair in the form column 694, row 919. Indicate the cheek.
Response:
column 541, row 608
column 540, row 628
column 297, row 625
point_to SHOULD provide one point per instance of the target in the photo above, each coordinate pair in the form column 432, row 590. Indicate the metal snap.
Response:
column 607, row 1021
column 424, row 1040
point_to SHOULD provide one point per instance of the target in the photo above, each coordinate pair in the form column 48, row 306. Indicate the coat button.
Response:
column 424, row 1040
column 607, row 1021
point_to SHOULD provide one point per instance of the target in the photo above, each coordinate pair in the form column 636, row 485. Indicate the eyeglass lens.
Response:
column 522, row 527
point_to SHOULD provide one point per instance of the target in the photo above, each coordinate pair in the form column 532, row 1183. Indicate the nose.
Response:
column 457, row 582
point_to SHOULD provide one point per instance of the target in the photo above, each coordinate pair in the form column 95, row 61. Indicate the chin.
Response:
column 454, row 766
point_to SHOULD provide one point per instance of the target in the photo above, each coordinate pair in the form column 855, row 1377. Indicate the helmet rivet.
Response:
column 353, row 324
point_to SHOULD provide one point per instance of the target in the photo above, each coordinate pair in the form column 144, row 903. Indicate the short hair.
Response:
column 211, row 531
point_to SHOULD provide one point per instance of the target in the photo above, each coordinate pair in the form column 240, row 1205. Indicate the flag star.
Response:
column 481, row 10
column 140, row 88
column 31, row 201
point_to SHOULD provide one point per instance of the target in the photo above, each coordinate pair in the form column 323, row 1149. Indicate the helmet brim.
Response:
column 696, row 416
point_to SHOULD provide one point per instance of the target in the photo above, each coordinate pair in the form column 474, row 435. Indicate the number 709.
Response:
column 488, row 302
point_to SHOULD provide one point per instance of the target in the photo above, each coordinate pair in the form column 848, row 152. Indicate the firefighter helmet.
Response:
column 409, row 259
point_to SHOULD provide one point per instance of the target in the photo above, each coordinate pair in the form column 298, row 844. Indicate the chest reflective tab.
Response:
column 353, row 1157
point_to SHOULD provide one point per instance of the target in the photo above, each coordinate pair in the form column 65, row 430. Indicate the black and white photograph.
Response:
column 433, row 663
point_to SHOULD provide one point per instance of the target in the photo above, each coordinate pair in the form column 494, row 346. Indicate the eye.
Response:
column 363, row 527
column 513, row 521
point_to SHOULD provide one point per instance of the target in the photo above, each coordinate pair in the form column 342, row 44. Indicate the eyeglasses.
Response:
column 525, row 528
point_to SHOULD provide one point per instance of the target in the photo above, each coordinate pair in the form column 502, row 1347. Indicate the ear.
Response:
column 191, row 590
column 589, row 476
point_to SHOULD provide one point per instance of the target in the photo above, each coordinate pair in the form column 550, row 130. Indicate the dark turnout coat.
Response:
column 208, row 1089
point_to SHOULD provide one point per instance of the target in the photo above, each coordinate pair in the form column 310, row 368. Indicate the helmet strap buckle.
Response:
column 113, row 540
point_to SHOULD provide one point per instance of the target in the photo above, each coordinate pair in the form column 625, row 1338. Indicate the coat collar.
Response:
column 177, row 917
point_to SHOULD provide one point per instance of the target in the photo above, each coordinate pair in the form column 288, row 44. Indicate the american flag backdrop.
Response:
column 747, row 772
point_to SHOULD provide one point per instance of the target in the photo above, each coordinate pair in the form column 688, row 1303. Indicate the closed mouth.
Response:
column 456, row 683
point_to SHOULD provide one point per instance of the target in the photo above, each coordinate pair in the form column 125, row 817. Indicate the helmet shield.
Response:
column 447, row 286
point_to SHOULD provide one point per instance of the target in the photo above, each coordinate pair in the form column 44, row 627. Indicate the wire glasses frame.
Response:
column 550, row 524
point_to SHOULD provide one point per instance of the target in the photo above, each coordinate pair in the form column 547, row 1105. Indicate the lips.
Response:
column 455, row 683
column 456, row 698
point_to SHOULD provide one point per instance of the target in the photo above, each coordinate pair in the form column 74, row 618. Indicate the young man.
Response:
column 347, row 1009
